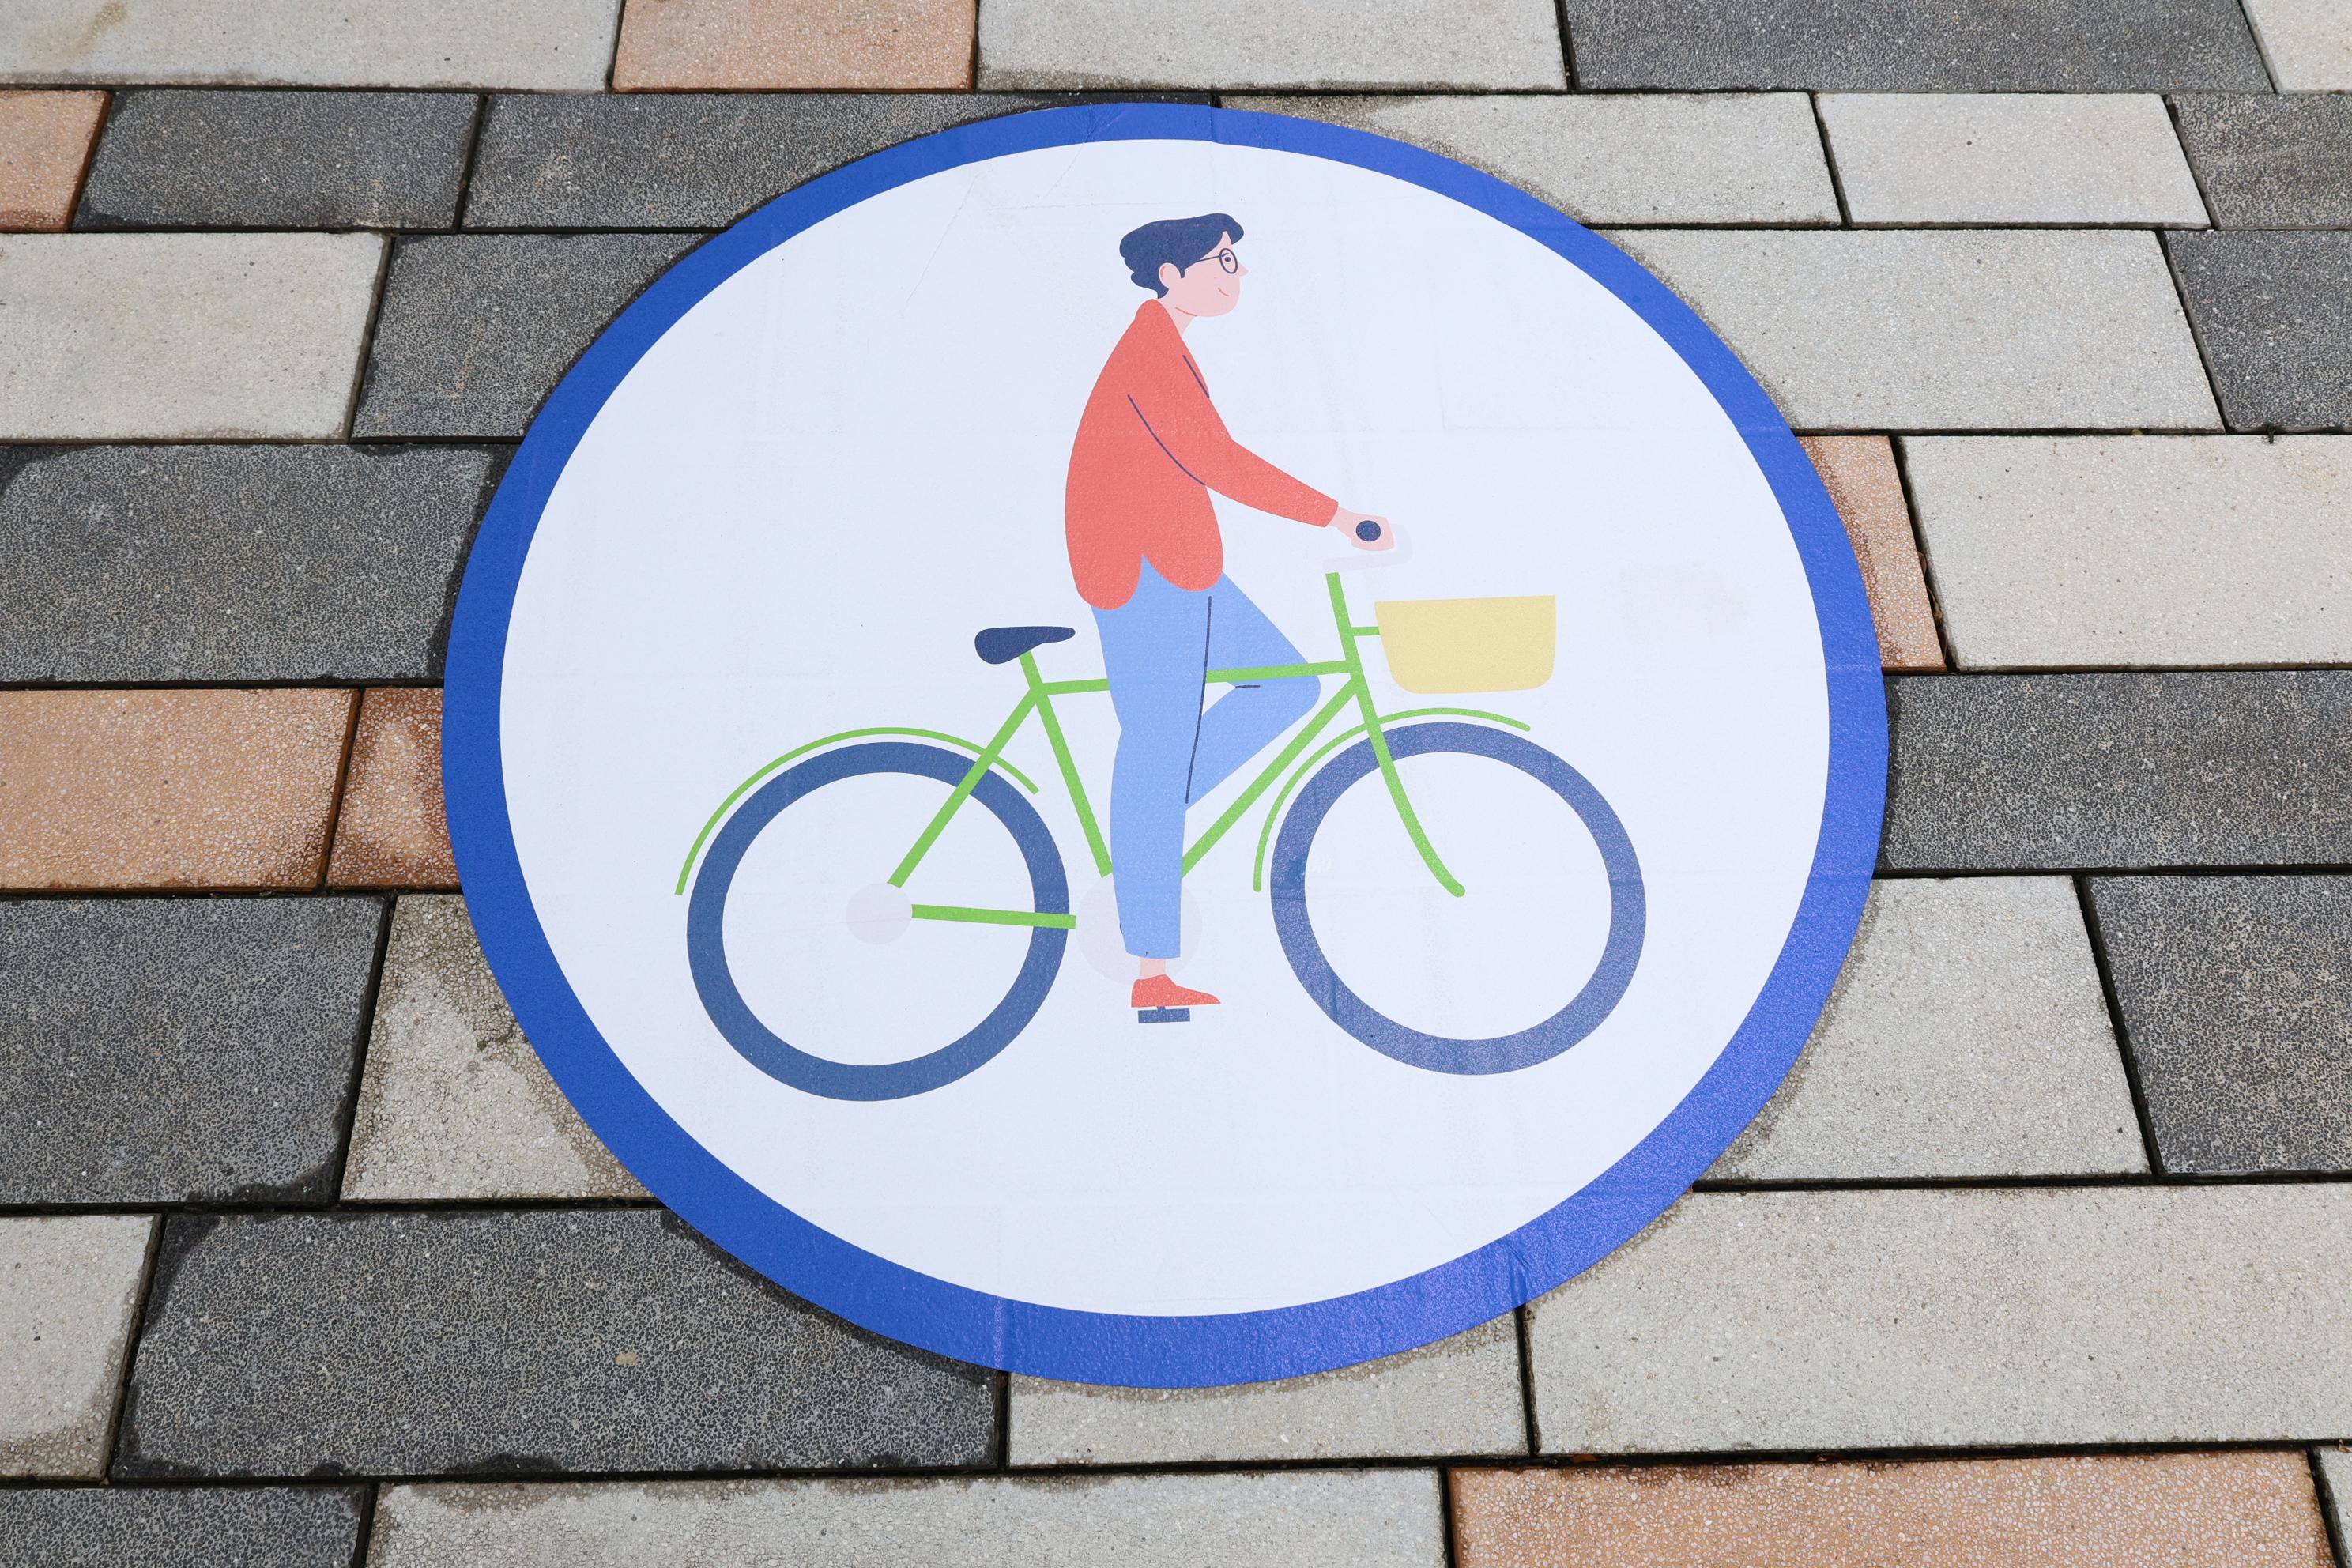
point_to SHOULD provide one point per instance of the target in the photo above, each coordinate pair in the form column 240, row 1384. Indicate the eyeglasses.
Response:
column 1224, row 259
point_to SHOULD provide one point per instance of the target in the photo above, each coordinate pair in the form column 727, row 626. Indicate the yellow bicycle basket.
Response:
column 1469, row 645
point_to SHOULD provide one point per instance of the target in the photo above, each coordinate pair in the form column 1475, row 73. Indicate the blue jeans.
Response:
column 1157, row 650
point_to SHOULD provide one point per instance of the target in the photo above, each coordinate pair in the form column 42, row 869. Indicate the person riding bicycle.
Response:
column 1147, row 556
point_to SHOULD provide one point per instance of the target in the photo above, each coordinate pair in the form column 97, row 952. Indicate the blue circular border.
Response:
column 1113, row 1348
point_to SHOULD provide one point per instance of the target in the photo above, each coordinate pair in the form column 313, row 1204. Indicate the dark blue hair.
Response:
column 1180, row 240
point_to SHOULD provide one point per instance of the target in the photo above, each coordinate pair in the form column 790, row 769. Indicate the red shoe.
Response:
column 1160, row 992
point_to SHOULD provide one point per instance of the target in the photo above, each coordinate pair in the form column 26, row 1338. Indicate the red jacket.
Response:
column 1149, row 449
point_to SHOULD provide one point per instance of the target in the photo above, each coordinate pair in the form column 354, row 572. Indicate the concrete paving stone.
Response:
column 1860, row 474
column 2306, row 42
column 476, row 329
column 542, row 1340
column 180, row 1527
column 2272, row 163
column 844, row 45
column 1620, row 158
column 178, row 158
column 247, row 563
column 44, row 142
column 1241, row 44
column 539, row 44
column 2236, row 994
column 2010, row 158
column 2121, row 550
column 1968, row 1037
column 2119, row 771
column 2336, row 1478
column 394, row 828
column 109, row 337
column 454, row 1103
column 2275, row 313
column 1890, row 330
column 1990, row 1318
column 1460, row 1395
column 2101, row 1510
column 1293, row 1519
column 69, row 1291
column 1917, row 46
column 187, row 789
column 169, row 1050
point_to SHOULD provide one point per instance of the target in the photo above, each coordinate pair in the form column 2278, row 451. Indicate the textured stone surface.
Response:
column 1271, row 43
column 552, row 45
column 1894, row 329
column 232, row 563
column 198, row 336
column 394, row 828
column 1922, row 1319
column 179, row 1527
column 174, row 158
column 2121, row 771
column 454, row 1103
column 1460, row 1395
column 2236, row 994
column 2108, row 1510
column 1966, row 1037
column 168, row 789
column 1860, row 474
column 1635, row 158
column 1917, row 46
column 795, row 43
column 2335, row 1476
column 45, row 141
column 69, row 1289
column 2274, row 312
column 2272, row 163
column 538, row 1340
column 2139, row 551
column 2308, row 45
column 1999, row 158
column 158, row 1051
column 476, row 329
column 1298, row 1519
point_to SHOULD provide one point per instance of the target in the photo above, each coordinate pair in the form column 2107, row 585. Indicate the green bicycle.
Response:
column 1433, row 646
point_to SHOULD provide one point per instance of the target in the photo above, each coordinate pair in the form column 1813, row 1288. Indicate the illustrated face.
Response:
column 1211, row 286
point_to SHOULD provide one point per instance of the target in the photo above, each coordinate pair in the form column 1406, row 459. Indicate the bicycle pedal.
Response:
column 1163, row 1016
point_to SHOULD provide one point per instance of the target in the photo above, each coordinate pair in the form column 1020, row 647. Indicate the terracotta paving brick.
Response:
column 2156, row 1510
column 1860, row 473
column 45, row 143
column 394, row 831
column 168, row 789
column 836, row 44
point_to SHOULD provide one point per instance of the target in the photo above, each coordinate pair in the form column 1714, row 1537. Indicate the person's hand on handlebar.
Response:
column 1362, row 530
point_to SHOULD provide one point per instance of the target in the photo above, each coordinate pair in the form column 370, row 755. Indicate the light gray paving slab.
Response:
column 2308, row 43
column 1966, row 1037
column 1616, row 157
column 68, row 1285
column 179, row 1527
column 454, row 1103
column 195, row 336
column 1270, row 43
column 1985, row 1318
column 1461, row 1396
column 1986, row 330
column 548, row 45
column 1296, row 1518
column 2190, row 550
column 2335, row 1475
column 2010, row 158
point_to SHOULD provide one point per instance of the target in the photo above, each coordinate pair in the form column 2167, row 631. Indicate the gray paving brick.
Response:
column 525, row 1341
column 1293, row 1518
column 179, row 1527
column 161, row 1050
column 2236, row 994
column 2133, row 550
column 131, row 563
column 1917, row 46
column 1988, row 1318
column 2271, row 161
column 279, row 160
column 2274, row 312
column 2121, row 771
column 69, row 1289
column 2308, row 45
column 2335, row 1472
column 476, row 329
column 1966, row 1037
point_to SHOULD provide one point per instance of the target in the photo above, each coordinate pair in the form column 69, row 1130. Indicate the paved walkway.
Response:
column 2045, row 1254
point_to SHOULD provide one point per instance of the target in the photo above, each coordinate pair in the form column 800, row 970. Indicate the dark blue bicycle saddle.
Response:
column 1003, row 645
